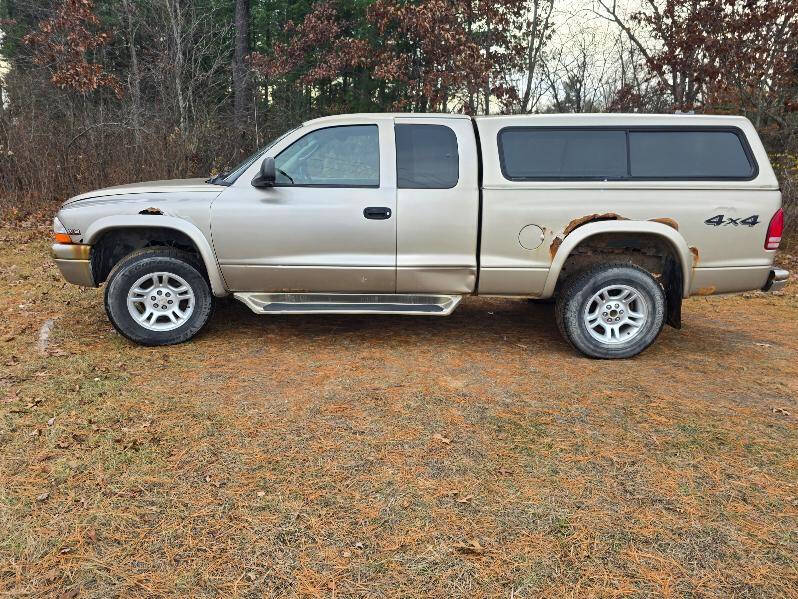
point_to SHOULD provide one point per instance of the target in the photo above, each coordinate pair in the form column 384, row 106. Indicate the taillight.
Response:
column 775, row 229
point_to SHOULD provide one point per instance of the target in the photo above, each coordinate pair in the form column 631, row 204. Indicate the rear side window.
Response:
column 688, row 155
column 426, row 157
column 674, row 153
column 536, row 153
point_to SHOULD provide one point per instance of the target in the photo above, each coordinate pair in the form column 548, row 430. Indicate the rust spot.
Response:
column 151, row 210
column 706, row 290
column 694, row 252
column 666, row 221
column 555, row 245
column 590, row 218
column 578, row 222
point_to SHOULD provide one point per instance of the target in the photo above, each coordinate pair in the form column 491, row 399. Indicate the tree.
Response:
column 757, row 61
column 537, row 34
column 61, row 44
column 686, row 32
column 241, row 92
column 717, row 55
column 319, row 53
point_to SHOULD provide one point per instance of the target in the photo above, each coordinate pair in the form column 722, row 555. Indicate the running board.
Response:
column 349, row 303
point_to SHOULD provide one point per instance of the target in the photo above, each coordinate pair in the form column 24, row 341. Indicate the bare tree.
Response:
column 537, row 34
column 685, row 32
column 187, row 63
column 240, row 69
column 580, row 67
column 134, row 77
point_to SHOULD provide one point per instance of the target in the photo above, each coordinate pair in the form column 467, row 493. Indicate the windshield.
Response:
column 238, row 171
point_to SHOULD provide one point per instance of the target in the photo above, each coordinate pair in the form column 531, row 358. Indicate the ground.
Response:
column 354, row 456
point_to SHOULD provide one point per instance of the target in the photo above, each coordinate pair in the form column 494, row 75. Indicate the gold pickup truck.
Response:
column 616, row 216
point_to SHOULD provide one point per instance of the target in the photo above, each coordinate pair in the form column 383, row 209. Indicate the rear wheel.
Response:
column 611, row 311
column 158, row 296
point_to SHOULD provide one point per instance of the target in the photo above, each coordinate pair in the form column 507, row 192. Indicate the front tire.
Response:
column 611, row 311
column 158, row 296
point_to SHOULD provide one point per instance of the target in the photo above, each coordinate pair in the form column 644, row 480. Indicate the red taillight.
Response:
column 775, row 229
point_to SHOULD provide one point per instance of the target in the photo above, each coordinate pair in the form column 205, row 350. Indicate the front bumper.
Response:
column 777, row 279
column 73, row 261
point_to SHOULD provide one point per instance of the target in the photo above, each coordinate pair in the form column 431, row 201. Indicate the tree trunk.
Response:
column 240, row 83
column 487, row 75
column 134, row 82
column 176, row 23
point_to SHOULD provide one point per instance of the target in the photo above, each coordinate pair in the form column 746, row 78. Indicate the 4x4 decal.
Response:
column 720, row 219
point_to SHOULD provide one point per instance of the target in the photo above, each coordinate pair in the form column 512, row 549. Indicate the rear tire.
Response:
column 611, row 311
column 158, row 296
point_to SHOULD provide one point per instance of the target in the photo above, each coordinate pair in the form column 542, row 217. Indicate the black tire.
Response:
column 577, row 295
column 148, row 261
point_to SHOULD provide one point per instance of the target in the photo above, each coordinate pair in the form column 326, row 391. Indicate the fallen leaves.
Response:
column 52, row 575
column 472, row 547
column 458, row 497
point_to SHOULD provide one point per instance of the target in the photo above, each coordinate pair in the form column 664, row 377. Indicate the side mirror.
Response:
column 267, row 176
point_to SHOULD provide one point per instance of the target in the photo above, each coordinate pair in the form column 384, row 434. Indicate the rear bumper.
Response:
column 777, row 279
column 73, row 261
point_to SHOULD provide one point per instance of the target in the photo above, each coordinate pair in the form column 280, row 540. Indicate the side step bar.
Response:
column 349, row 303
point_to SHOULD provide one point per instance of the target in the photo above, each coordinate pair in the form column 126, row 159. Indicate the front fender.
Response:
column 108, row 223
column 577, row 236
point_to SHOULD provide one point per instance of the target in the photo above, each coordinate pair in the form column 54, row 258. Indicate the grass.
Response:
column 357, row 457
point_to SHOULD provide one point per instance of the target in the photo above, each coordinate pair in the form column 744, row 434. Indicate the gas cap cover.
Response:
column 531, row 237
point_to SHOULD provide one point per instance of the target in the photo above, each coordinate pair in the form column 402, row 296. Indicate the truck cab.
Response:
column 618, row 217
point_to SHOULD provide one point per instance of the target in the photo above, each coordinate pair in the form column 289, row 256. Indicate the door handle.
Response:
column 377, row 213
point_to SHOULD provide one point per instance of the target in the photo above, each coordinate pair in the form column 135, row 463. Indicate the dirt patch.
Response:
column 706, row 290
column 469, row 456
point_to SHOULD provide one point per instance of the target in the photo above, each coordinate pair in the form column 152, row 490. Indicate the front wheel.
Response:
column 157, row 296
column 611, row 311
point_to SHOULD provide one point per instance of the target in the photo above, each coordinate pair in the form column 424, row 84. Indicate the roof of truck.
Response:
column 390, row 115
column 554, row 118
column 616, row 118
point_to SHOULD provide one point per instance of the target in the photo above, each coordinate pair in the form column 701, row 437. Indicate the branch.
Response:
column 95, row 125
column 613, row 12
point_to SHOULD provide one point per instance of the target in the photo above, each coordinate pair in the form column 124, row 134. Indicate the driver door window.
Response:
column 345, row 156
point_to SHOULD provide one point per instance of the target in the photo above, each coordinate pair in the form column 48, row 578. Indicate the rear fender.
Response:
column 630, row 227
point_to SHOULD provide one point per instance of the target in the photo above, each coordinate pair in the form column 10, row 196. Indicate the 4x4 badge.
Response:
column 720, row 219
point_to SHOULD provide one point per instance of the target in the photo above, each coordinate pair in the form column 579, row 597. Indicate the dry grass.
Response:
column 352, row 456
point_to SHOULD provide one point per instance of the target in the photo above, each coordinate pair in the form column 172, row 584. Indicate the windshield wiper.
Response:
column 218, row 179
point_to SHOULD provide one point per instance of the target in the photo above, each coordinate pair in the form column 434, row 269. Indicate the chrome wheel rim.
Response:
column 616, row 314
column 161, row 301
